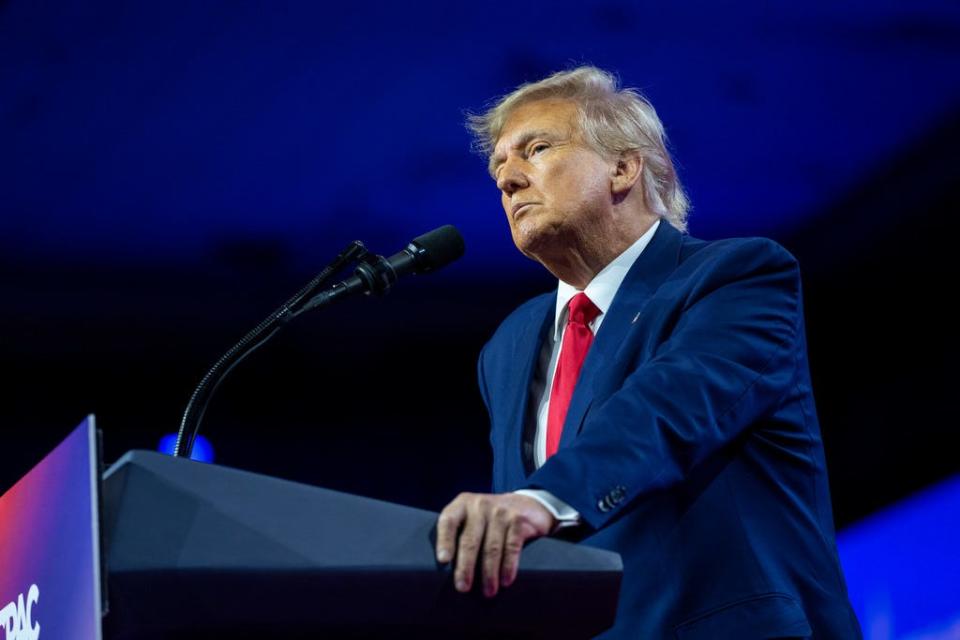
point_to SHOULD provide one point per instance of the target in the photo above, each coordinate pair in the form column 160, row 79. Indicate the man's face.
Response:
column 555, row 190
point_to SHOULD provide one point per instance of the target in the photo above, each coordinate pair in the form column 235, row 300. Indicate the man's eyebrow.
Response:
column 498, row 158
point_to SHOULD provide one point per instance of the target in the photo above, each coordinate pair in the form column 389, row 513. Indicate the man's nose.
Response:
column 512, row 178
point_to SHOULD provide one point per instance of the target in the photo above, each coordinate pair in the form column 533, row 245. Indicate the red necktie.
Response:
column 577, row 339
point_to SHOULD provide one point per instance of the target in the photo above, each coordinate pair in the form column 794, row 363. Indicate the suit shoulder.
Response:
column 748, row 253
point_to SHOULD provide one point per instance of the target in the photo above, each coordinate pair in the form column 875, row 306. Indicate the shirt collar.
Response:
column 604, row 285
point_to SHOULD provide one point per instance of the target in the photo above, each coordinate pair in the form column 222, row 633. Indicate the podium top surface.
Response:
column 172, row 512
column 222, row 546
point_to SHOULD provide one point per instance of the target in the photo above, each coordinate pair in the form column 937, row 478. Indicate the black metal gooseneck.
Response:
column 260, row 335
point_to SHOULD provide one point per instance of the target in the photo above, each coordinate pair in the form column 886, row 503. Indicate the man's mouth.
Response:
column 520, row 208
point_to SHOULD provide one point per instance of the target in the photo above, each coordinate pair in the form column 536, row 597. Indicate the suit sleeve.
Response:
column 726, row 363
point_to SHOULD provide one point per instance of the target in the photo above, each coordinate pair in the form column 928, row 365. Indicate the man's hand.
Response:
column 500, row 524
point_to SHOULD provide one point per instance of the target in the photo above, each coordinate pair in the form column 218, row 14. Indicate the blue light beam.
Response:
column 202, row 449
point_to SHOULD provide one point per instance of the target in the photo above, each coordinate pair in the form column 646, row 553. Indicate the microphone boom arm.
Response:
column 374, row 274
column 197, row 406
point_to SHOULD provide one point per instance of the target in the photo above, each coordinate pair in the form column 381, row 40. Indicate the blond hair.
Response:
column 613, row 120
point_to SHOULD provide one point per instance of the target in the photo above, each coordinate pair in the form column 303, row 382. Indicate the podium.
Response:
column 196, row 550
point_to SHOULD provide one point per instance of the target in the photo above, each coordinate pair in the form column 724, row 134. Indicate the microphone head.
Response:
column 437, row 248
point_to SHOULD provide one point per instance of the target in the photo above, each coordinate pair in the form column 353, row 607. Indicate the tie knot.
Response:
column 582, row 310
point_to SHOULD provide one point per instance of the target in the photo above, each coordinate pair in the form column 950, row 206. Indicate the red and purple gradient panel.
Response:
column 48, row 538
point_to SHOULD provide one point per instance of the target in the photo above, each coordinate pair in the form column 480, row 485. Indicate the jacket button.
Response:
column 604, row 504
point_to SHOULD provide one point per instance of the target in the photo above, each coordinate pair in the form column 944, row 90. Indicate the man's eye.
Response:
column 537, row 148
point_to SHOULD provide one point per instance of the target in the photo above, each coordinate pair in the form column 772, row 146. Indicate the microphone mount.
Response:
column 256, row 338
column 373, row 274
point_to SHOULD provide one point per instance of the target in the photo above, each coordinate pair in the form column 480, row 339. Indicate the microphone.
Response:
column 376, row 274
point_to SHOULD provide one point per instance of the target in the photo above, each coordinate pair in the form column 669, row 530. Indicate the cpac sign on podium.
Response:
column 50, row 546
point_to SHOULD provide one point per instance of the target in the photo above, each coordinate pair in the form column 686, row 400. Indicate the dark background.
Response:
column 170, row 173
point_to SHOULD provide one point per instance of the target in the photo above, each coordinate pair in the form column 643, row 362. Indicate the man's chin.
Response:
column 531, row 244
column 546, row 253
column 533, row 237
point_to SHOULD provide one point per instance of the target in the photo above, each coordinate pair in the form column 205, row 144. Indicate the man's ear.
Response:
column 626, row 172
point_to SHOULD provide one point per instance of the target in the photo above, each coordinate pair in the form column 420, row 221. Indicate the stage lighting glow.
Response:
column 202, row 449
column 902, row 564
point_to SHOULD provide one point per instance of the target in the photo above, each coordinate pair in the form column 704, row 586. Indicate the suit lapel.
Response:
column 657, row 261
column 526, row 353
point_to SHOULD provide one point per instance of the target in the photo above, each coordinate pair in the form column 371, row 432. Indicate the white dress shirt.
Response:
column 601, row 291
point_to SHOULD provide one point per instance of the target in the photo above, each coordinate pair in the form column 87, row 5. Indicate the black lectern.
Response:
column 202, row 551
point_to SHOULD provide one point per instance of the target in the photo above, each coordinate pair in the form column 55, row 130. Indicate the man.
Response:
column 658, row 404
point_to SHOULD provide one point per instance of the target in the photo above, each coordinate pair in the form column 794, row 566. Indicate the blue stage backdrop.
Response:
column 170, row 173
column 145, row 132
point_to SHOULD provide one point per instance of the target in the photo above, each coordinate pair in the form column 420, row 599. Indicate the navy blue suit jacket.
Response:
column 691, row 446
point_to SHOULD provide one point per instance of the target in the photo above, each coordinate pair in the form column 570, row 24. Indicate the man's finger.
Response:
column 469, row 547
column 447, row 526
column 512, row 546
column 493, row 550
